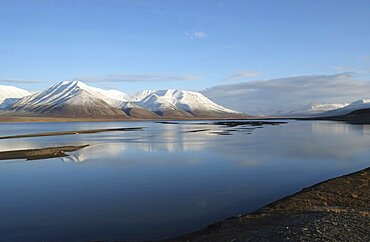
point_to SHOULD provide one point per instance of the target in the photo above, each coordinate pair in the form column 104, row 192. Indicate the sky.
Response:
column 182, row 44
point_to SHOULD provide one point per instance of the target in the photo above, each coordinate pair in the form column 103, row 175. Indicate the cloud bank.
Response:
column 21, row 81
column 270, row 96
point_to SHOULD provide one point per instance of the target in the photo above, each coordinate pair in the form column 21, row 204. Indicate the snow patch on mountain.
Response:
column 142, row 94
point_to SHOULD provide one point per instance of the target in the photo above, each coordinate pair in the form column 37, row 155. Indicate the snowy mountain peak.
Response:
column 112, row 97
column 10, row 94
column 72, row 83
column 67, row 86
column 142, row 94
column 360, row 102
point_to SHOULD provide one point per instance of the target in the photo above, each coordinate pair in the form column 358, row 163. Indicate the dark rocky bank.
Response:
column 335, row 210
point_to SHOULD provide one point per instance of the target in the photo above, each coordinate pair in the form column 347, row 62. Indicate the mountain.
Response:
column 356, row 105
column 360, row 116
column 71, row 99
column 312, row 109
column 10, row 94
column 178, row 103
column 76, row 99
column 325, row 110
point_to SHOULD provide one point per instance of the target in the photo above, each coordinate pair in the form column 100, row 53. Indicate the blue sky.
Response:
column 153, row 44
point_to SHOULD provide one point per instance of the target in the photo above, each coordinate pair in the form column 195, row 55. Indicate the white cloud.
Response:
column 269, row 96
column 343, row 68
column 197, row 35
column 242, row 74
column 137, row 78
column 21, row 81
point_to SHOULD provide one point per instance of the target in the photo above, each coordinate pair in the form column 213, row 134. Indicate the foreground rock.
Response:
column 334, row 210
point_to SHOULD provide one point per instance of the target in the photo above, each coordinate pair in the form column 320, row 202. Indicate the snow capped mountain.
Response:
column 359, row 104
column 10, row 94
column 76, row 99
column 184, row 103
column 72, row 99
column 356, row 105
column 322, row 109
column 311, row 109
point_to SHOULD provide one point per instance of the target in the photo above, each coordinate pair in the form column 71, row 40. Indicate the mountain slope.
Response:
column 356, row 105
column 134, row 111
column 69, row 99
column 10, row 94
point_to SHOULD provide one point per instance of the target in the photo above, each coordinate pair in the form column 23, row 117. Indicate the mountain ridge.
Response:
column 76, row 99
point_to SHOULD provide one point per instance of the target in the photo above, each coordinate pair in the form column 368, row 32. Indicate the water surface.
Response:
column 163, row 180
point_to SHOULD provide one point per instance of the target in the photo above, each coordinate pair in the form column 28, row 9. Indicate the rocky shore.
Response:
column 334, row 210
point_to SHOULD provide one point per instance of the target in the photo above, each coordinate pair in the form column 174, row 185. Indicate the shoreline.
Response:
column 332, row 210
column 18, row 119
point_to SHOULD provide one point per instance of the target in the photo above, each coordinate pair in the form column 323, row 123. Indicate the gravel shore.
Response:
column 335, row 210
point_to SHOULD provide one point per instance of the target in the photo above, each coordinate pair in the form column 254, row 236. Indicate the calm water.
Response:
column 163, row 181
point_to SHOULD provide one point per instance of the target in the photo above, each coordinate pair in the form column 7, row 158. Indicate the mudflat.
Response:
column 334, row 210
column 36, row 154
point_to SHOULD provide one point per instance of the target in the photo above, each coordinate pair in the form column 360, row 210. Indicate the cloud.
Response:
column 197, row 35
column 242, row 74
column 22, row 81
column 343, row 68
column 269, row 96
column 137, row 78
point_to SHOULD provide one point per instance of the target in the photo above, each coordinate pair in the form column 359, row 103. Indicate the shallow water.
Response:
column 164, row 180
